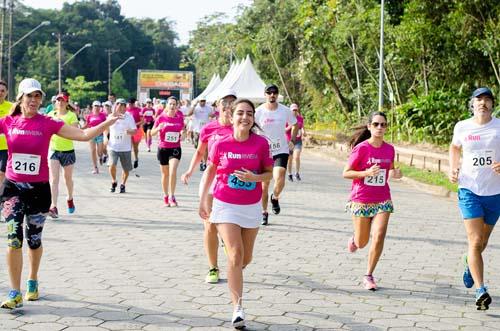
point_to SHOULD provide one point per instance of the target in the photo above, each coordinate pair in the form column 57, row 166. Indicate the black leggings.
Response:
column 25, row 199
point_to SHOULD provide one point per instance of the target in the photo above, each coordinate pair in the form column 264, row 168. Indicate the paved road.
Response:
column 126, row 262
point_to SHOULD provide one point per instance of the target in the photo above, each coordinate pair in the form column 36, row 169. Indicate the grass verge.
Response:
column 427, row 177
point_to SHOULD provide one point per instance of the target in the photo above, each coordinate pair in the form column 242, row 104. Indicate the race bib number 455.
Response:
column 234, row 183
column 378, row 180
column 26, row 164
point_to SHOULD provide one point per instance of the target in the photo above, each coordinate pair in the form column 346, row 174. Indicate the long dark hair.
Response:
column 361, row 132
column 16, row 110
column 255, row 127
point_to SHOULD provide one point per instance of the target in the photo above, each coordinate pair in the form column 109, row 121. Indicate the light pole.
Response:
column 381, row 59
column 12, row 45
column 110, row 51
column 66, row 62
column 118, row 68
column 4, row 9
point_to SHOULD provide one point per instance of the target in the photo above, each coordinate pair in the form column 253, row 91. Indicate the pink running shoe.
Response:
column 165, row 199
column 351, row 245
column 369, row 283
column 173, row 202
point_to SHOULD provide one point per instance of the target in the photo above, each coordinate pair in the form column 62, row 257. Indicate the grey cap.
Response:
column 122, row 101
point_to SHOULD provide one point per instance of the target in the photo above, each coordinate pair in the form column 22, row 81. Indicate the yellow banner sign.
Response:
column 165, row 80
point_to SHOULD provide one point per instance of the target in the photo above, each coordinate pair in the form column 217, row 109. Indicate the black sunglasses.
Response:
column 377, row 124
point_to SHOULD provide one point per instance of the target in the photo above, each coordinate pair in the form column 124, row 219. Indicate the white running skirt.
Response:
column 246, row 216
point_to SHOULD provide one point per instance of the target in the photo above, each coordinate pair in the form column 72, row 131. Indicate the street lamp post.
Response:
column 381, row 59
column 118, row 68
column 12, row 45
column 110, row 51
column 61, row 65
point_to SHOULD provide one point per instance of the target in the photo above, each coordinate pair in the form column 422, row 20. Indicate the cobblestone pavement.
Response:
column 126, row 262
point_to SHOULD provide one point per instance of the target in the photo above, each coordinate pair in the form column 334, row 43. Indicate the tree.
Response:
column 83, row 91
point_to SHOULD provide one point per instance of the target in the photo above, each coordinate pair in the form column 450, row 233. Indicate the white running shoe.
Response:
column 238, row 317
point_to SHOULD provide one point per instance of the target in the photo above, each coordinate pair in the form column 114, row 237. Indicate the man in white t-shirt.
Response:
column 272, row 118
column 120, row 145
column 478, row 177
column 201, row 113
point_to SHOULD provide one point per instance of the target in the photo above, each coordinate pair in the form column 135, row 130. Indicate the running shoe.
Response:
column 14, row 300
column 173, row 202
column 369, row 283
column 265, row 218
column 351, row 245
column 113, row 187
column 165, row 199
column 53, row 212
column 467, row 276
column 238, row 319
column 203, row 166
column 31, row 290
column 71, row 206
column 290, row 177
column 122, row 188
column 95, row 171
column 212, row 276
column 483, row 299
column 100, row 160
column 297, row 177
column 136, row 164
column 276, row 205
column 104, row 158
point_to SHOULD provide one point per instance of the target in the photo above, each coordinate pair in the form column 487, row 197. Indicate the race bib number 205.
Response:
column 482, row 158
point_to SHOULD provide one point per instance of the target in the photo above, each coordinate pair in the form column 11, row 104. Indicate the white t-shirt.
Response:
column 273, row 123
column 119, row 140
column 201, row 117
column 184, row 110
column 481, row 147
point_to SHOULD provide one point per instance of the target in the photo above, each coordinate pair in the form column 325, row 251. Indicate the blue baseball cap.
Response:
column 482, row 91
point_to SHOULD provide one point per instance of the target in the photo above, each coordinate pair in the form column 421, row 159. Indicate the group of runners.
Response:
column 241, row 149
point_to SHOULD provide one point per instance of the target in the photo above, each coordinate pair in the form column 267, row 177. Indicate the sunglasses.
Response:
column 376, row 124
column 272, row 92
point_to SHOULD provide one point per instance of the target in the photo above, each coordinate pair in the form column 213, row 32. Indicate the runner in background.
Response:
column 239, row 162
column 5, row 107
column 209, row 134
column 370, row 165
column 120, row 144
column 25, row 192
column 135, row 111
column 169, row 125
column 148, row 120
column 96, row 145
column 297, row 147
column 62, row 155
column 200, row 113
column 272, row 118
column 478, row 177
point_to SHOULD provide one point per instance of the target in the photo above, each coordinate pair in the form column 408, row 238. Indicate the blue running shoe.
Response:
column 14, row 300
column 467, row 276
column 483, row 299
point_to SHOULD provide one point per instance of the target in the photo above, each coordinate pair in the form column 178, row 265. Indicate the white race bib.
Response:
column 275, row 145
column 378, row 180
column 148, row 113
column 171, row 137
column 119, row 136
column 483, row 158
column 26, row 164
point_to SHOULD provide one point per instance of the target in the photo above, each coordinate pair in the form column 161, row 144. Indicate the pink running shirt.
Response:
column 229, row 155
column 28, row 140
column 371, row 189
column 136, row 113
column 170, row 135
column 214, row 131
column 300, row 124
column 94, row 120
column 148, row 114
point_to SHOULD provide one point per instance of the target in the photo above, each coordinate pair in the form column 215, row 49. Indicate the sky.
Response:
column 187, row 12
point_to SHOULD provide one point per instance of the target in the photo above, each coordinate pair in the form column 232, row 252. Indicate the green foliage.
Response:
column 428, row 177
column 82, row 91
column 118, row 86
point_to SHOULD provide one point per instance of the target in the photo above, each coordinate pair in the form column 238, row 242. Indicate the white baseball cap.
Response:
column 148, row 100
column 228, row 92
column 96, row 103
column 27, row 86
column 107, row 103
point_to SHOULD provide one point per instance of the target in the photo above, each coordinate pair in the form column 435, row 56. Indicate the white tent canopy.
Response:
column 242, row 79
column 212, row 85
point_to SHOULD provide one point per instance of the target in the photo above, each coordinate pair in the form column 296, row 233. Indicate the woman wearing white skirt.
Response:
column 238, row 162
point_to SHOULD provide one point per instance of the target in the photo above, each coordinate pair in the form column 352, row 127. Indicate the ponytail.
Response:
column 15, row 110
column 361, row 132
